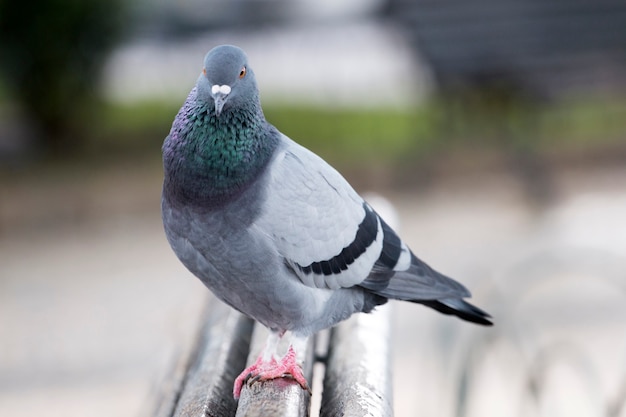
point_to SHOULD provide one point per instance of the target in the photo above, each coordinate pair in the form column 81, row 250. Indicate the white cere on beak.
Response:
column 224, row 89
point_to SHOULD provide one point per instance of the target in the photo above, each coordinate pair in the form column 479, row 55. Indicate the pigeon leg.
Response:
column 266, row 367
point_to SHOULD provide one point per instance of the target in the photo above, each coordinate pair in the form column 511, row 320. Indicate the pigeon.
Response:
column 276, row 232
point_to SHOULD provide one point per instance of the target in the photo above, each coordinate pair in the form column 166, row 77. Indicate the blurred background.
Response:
column 497, row 128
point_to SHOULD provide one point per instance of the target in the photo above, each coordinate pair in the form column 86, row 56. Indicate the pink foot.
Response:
column 263, row 371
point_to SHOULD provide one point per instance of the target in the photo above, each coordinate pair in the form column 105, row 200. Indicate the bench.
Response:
column 353, row 358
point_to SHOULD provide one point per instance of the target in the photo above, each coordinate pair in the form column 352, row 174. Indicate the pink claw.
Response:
column 264, row 371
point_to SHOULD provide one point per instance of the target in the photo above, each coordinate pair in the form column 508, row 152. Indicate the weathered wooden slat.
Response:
column 278, row 397
column 358, row 369
column 169, row 391
column 202, row 383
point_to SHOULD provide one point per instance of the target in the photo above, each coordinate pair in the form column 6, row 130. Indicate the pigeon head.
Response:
column 227, row 80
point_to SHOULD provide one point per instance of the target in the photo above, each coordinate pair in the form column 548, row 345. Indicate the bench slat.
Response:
column 358, row 370
column 202, row 384
column 278, row 397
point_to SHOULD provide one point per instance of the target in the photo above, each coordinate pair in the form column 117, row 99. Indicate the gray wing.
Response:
column 331, row 238
column 315, row 220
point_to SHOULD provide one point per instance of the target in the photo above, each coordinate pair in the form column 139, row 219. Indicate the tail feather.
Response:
column 459, row 308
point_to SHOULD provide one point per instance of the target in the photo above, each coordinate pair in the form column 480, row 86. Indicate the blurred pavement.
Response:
column 92, row 311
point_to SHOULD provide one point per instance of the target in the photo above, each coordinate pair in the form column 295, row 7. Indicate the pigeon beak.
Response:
column 220, row 100
column 220, row 95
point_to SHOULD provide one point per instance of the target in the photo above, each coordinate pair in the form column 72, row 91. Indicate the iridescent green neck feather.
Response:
column 209, row 160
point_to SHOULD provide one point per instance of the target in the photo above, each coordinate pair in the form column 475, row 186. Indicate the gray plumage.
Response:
column 271, row 228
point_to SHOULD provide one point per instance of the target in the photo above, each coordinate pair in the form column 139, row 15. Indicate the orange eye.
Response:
column 204, row 71
column 242, row 73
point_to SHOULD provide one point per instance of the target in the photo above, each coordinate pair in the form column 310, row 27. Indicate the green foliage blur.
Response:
column 53, row 52
column 355, row 137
